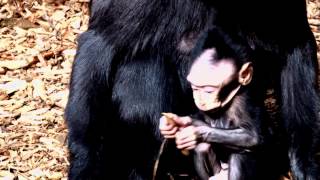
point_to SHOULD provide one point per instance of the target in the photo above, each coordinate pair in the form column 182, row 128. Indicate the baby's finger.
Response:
column 171, row 132
column 186, row 140
column 163, row 121
column 166, row 127
column 169, row 136
column 183, row 121
column 189, row 145
column 186, row 132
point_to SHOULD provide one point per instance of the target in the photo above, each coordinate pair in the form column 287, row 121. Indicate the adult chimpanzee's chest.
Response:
column 136, row 91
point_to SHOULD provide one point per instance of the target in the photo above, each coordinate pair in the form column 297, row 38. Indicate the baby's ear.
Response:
column 245, row 74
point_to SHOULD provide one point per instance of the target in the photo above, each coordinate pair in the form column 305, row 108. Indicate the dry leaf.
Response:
column 13, row 86
column 6, row 175
column 75, row 22
column 17, row 64
column 21, row 177
column 19, row 32
column 58, row 16
column 54, row 175
column 3, row 95
column 37, row 173
column 25, row 109
column 39, row 89
column 4, row 44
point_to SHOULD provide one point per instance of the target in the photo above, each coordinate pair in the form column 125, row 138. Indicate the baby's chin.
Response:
column 209, row 106
column 202, row 107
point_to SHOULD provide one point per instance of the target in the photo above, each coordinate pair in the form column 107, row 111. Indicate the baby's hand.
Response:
column 168, row 128
column 170, row 123
column 186, row 138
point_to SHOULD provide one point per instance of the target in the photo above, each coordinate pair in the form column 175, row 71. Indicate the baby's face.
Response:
column 207, row 78
column 206, row 97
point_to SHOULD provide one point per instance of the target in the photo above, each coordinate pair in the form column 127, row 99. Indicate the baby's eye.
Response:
column 209, row 89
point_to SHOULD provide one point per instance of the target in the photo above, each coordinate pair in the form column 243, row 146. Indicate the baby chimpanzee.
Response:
column 229, row 136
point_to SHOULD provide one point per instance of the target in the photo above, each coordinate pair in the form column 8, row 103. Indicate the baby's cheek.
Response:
column 197, row 99
column 206, row 104
column 199, row 103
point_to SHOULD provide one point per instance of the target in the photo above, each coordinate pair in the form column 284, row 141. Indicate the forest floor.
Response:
column 37, row 47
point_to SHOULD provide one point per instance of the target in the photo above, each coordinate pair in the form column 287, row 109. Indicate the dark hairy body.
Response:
column 131, row 66
column 238, row 135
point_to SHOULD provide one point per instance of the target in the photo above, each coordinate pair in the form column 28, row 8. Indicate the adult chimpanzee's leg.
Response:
column 85, row 112
column 300, row 107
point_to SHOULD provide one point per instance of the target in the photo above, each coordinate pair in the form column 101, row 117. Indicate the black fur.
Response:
column 131, row 66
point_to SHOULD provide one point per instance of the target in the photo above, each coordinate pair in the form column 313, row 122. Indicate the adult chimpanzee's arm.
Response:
column 87, row 104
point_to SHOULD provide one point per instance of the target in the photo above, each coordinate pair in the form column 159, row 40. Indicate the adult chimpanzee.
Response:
column 131, row 65
column 231, row 128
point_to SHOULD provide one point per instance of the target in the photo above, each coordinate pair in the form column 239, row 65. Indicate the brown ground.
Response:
column 37, row 47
